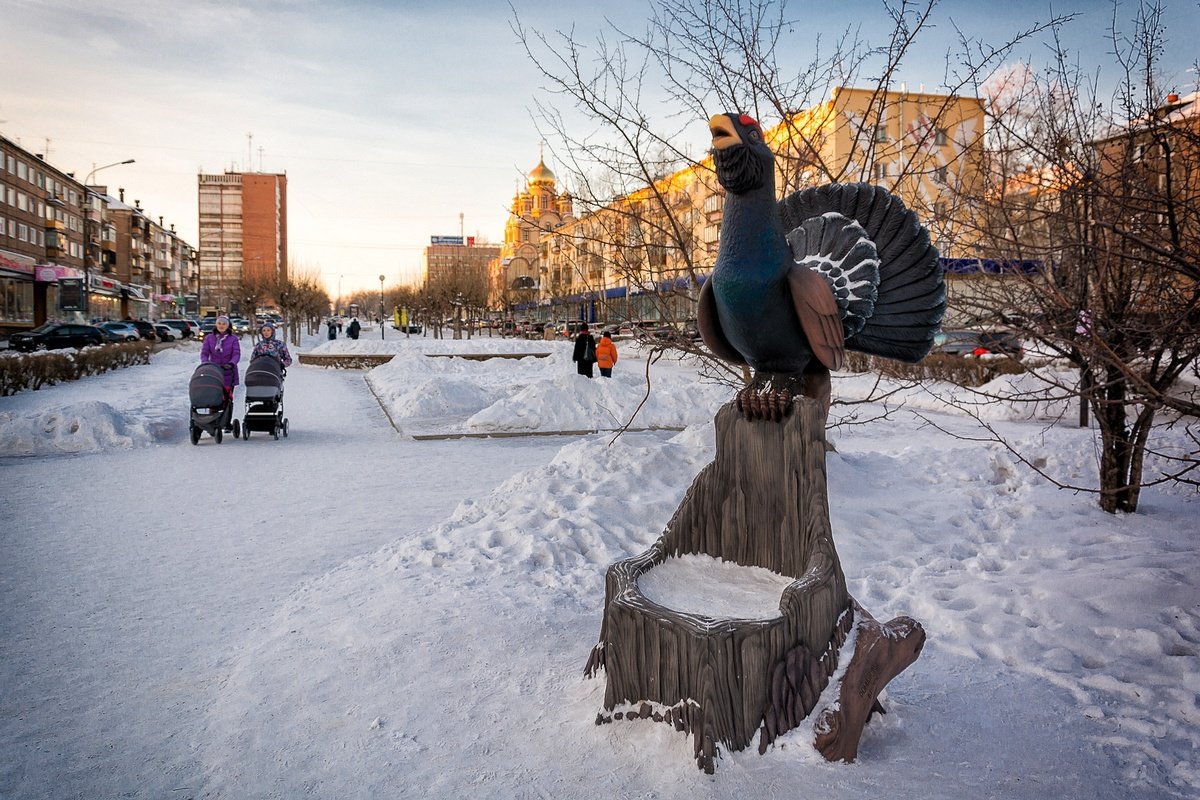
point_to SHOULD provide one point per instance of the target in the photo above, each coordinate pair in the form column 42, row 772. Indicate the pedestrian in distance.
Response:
column 353, row 328
column 269, row 345
column 606, row 354
column 332, row 328
column 584, row 354
column 221, row 347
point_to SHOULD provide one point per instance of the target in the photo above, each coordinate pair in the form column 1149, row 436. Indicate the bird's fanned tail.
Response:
column 911, row 296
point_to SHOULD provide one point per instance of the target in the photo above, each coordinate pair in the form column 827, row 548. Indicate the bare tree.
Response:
column 625, row 118
column 1103, row 194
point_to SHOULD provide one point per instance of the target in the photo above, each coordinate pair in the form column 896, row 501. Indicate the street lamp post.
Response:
column 87, row 217
column 382, row 329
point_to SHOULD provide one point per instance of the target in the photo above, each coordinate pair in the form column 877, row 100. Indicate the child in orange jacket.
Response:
column 606, row 354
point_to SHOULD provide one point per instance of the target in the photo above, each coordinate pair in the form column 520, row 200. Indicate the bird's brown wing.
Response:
column 710, row 327
column 818, row 313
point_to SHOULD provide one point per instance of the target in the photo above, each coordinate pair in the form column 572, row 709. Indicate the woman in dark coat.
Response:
column 584, row 354
column 354, row 328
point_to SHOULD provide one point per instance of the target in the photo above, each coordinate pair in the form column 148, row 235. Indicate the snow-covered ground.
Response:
column 352, row 613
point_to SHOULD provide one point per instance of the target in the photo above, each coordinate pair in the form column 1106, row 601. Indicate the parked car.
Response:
column 183, row 331
column 109, row 336
column 56, row 336
column 207, row 325
column 166, row 333
column 977, row 343
column 144, row 328
column 123, row 331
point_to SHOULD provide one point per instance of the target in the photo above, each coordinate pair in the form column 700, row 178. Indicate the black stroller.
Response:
column 264, row 397
column 210, row 405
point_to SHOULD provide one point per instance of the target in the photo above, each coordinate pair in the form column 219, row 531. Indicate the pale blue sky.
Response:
column 390, row 118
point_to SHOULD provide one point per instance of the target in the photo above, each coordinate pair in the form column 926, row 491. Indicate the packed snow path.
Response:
column 131, row 576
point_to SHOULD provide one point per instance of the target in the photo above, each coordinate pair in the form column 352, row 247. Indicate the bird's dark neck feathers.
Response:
column 752, row 237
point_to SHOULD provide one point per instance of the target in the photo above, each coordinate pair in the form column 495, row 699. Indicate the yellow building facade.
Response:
column 643, row 256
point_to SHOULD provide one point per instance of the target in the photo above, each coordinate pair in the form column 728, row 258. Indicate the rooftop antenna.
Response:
column 260, row 154
column 249, row 151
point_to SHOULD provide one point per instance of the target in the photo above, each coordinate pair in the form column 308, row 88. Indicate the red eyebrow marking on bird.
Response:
column 746, row 119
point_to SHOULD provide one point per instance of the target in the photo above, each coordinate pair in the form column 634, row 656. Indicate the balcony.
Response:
column 109, row 242
column 56, row 225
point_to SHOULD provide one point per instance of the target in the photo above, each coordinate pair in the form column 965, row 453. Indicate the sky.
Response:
column 391, row 118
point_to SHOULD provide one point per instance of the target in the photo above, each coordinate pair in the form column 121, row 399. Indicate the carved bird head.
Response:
column 743, row 160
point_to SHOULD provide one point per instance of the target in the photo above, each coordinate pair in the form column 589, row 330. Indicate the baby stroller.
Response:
column 264, row 397
column 210, row 403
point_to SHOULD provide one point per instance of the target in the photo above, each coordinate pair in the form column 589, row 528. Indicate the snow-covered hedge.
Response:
column 21, row 371
column 959, row 370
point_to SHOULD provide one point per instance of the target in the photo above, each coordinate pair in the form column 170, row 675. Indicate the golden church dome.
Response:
column 541, row 175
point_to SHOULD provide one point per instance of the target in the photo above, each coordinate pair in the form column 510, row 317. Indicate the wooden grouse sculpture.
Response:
column 799, row 281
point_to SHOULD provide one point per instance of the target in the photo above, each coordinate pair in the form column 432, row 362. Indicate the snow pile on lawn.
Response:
column 76, row 428
column 132, row 407
column 454, row 395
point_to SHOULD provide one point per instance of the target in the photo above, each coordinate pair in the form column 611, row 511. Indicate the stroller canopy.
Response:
column 265, row 370
column 207, row 386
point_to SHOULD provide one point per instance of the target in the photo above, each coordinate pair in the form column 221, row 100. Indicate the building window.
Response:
column 881, row 132
column 941, row 174
column 22, row 232
column 22, row 172
column 939, row 137
column 881, row 171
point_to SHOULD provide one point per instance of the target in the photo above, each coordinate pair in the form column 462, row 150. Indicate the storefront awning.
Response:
column 16, row 264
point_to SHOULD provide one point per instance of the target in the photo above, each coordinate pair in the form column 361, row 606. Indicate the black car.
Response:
column 146, row 329
column 184, row 331
column 56, row 336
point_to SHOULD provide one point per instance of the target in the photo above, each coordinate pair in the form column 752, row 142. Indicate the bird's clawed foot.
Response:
column 755, row 402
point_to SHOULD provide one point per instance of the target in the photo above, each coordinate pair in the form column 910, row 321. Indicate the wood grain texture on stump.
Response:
column 761, row 503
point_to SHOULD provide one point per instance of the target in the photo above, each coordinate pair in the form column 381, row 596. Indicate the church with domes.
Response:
column 536, row 211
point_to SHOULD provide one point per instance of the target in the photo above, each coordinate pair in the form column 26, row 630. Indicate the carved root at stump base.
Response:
column 881, row 652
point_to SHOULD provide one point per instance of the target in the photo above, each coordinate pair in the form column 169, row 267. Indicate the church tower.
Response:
column 536, row 210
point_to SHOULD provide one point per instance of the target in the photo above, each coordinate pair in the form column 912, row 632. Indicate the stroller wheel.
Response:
column 285, row 428
column 219, row 435
column 237, row 429
column 275, row 432
column 194, row 433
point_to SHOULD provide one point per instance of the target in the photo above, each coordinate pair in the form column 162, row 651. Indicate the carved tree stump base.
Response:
column 761, row 502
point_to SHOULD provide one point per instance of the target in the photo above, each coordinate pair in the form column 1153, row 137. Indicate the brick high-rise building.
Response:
column 243, row 236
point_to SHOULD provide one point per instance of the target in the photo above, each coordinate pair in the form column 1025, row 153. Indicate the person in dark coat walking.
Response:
column 584, row 354
column 353, row 329
column 332, row 323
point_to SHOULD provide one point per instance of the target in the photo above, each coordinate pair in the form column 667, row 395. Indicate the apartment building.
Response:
column 243, row 237
column 41, row 238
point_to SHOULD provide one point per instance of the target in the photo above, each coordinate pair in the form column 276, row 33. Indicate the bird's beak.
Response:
column 724, row 134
